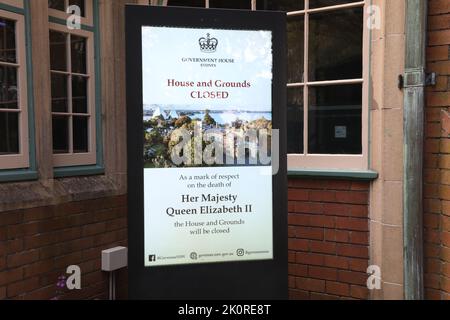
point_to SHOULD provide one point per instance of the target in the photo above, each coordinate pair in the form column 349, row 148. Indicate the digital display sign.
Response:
column 206, row 153
column 207, row 120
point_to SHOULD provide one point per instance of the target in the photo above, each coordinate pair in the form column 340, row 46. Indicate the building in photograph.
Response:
column 368, row 99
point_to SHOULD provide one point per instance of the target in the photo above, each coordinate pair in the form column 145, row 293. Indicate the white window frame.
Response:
column 88, row 18
column 307, row 161
column 71, row 159
column 22, row 159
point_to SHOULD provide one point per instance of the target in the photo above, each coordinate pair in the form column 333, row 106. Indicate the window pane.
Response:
column 327, row 3
column 295, row 116
column 61, row 5
column 8, row 88
column 230, row 4
column 80, row 4
column 80, row 135
column 9, row 133
column 335, row 119
column 57, row 4
column 295, row 35
column 336, row 39
column 7, row 40
column 60, row 134
column 79, row 94
column 58, row 52
column 187, row 3
column 78, row 52
column 59, row 93
column 281, row 5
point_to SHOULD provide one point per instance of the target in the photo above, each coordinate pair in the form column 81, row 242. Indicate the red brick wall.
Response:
column 328, row 244
column 37, row 245
column 437, row 156
column 328, row 239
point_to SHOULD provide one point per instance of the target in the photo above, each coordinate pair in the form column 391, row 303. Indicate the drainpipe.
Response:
column 414, row 82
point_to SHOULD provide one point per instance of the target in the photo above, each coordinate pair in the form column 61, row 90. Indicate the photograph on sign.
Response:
column 207, row 120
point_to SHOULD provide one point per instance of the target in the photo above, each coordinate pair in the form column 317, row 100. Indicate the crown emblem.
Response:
column 208, row 44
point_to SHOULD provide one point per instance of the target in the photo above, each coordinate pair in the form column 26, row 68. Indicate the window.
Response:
column 14, row 133
column 327, row 84
column 58, row 9
column 73, row 104
column 327, row 98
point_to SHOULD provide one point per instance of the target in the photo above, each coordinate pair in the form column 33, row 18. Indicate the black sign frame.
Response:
column 228, row 280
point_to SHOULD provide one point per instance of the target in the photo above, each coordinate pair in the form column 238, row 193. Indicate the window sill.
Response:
column 32, row 194
column 18, row 175
column 367, row 175
column 65, row 172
